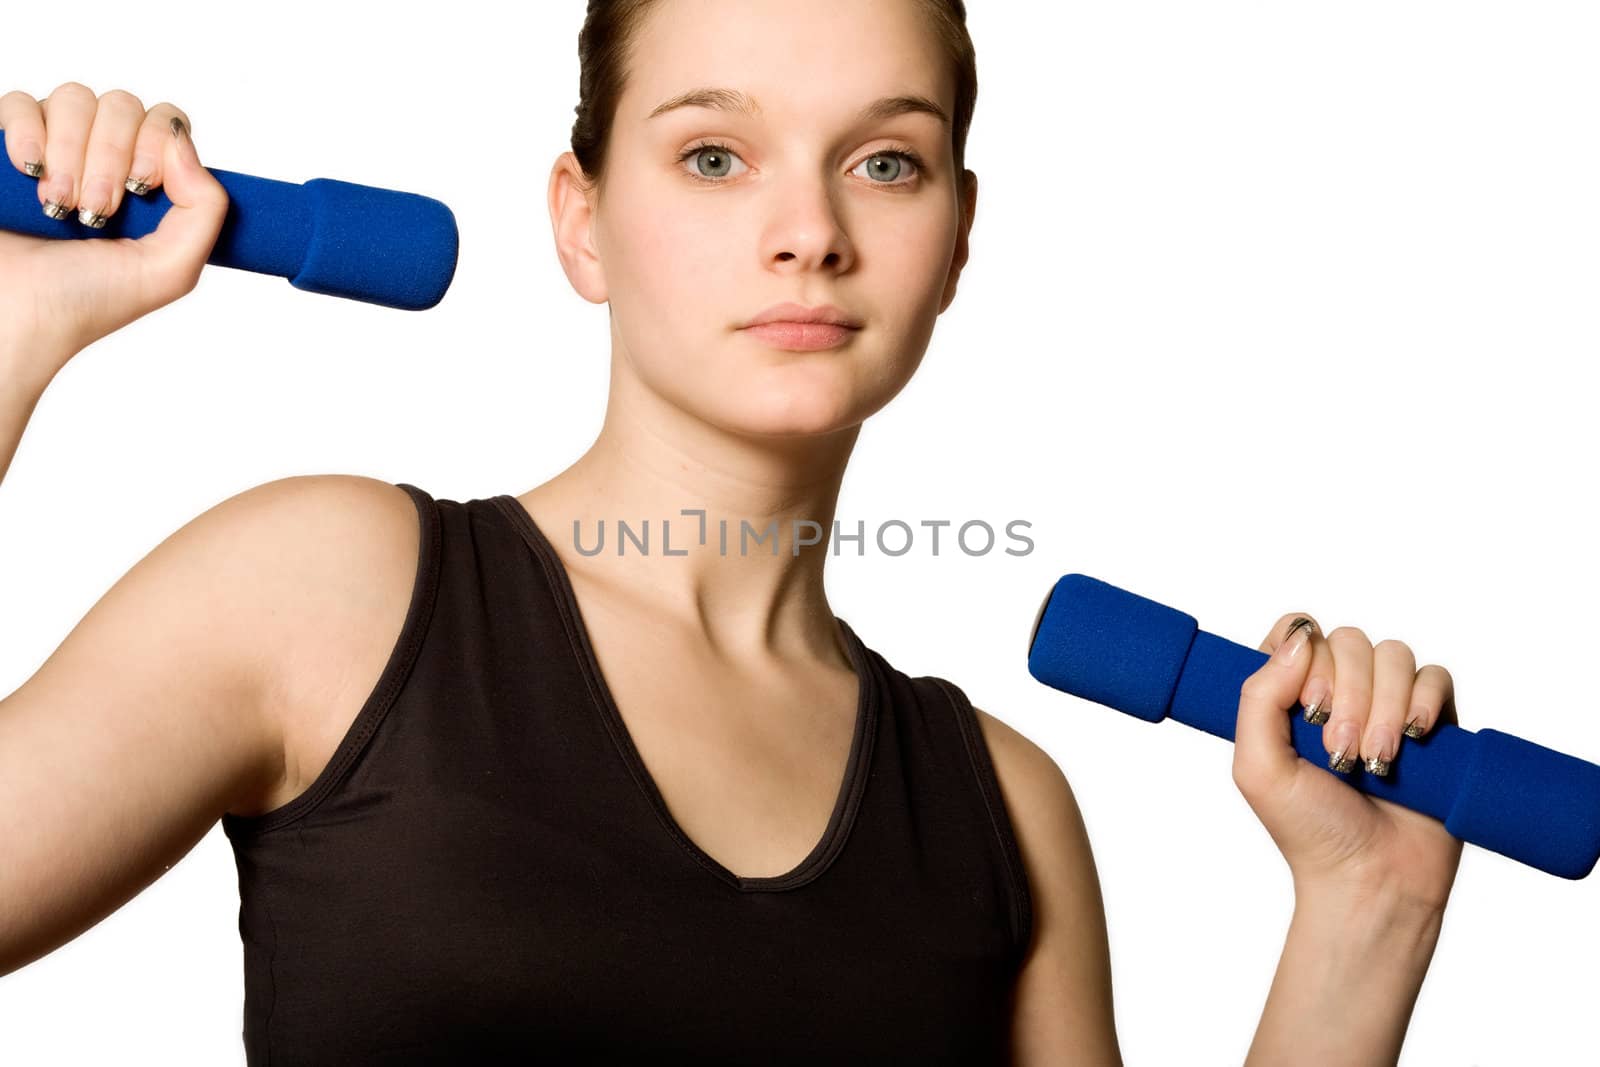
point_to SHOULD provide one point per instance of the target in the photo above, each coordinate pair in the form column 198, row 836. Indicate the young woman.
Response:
column 491, row 794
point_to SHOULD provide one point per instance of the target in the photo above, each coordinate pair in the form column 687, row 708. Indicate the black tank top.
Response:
column 485, row 872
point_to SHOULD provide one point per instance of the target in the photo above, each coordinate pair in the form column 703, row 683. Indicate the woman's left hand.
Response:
column 1337, row 839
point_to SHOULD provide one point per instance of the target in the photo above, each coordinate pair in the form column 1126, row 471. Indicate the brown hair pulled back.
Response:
column 603, row 53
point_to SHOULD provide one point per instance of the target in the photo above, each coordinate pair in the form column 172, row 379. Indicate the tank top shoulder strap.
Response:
column 402, row 658
column 977, row 749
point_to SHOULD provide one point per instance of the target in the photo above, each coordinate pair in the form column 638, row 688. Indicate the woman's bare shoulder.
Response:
column 346, row 564
column 1029, row 776
column 1063, row 1010
column 153, row 708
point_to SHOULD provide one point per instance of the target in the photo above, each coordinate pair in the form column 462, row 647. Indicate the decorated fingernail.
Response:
column 98, row 194
column 138, row 182
column 1297, row 638
column 1337, row 762
column 57, row 190
column 32, row 159
column 1316, row 713
column 1413, row 728
column 1386, row 744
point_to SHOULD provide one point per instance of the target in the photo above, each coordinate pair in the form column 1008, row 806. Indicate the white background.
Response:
column 1271, row 307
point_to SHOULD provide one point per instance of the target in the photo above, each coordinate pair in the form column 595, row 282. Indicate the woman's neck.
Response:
column 705, row 530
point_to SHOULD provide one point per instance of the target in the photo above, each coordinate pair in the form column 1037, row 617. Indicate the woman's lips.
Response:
column 802, row 336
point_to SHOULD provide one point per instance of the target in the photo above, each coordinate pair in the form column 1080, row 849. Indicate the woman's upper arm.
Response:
column 150, row 720
column 1063, row 1001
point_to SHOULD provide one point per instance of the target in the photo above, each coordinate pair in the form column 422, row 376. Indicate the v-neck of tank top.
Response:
column 846, row 804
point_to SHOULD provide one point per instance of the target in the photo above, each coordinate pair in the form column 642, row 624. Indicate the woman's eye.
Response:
column 889, row 165
column 713, row 162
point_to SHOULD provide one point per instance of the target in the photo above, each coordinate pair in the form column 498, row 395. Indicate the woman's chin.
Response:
column 794, row 412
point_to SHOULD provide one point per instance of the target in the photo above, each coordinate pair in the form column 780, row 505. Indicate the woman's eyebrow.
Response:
column 744, row 104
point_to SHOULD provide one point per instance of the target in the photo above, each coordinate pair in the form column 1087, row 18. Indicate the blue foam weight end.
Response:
column 367, row 243
column 1523, row 799
column 1110, row 646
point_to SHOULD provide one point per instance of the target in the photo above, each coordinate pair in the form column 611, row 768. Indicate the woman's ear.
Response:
column 572, row 203
column 969, row 211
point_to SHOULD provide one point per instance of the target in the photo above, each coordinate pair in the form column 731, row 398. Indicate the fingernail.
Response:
column 33, row 159
column 1386, row 743
column 1316, row 712
column 1413, row 727
column 58, row 189
column 1346, row 737
column 1338, row 762
column 186, row 149
column 98, row 195
column 138, row 182
column 1299, row 635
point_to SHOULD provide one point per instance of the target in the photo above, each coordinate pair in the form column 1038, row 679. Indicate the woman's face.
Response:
column 804, row 201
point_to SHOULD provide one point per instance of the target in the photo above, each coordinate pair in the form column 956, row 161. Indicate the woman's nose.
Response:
column 805, row 228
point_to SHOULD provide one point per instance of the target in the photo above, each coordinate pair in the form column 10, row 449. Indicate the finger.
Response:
column 23, row 122
column 1433, row 700
column 108, row 156
column 1315, row 697
column 1394, row 671
column 1319, row 679
column 68, row 114
column 150, row 145
column 1284, row 627
column 1352, row 697
column 1264, row 758
column 193, row 223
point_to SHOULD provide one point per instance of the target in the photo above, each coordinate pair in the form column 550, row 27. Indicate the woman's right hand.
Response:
column 1341, row 843
column 59, row 296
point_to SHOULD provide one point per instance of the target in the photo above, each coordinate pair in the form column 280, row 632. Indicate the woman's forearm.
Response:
column 1346, row 983
column 16, row 407
column 21, row 385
